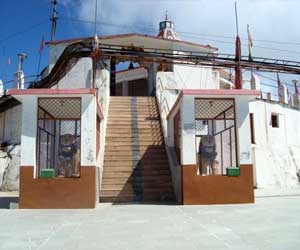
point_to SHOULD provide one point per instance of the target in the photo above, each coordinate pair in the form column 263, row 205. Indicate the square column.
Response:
column 188, row 132
column 243, row 130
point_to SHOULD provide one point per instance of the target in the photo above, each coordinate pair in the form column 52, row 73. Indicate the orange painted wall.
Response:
column 217, row 189
column 58, row 193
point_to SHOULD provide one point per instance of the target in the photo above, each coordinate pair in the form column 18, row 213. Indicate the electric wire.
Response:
column 191, row 35
column 18, row 33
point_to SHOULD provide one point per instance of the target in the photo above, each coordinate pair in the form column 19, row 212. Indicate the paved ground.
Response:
column 272, row 223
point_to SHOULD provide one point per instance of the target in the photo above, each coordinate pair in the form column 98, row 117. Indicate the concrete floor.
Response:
column 272, row 223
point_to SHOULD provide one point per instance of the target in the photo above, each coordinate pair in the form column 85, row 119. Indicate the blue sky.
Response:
column 206, row 22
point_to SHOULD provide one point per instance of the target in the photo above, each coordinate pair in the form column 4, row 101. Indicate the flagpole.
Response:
column 39, row 66
column 236, row 20
column 40, row 57
column 238, row 68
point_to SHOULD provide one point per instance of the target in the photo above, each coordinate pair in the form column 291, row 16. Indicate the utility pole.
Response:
column 53, row 19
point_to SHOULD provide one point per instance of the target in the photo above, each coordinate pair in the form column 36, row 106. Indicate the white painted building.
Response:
column 272, row 127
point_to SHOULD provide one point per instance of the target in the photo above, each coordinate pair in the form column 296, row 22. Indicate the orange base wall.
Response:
column 58, row 193
column 217, row 189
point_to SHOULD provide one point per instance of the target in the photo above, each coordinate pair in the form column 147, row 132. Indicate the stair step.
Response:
column 132, row 140
column 112, row 192
column 117, row 199
column 150, row 157
column 150, row 134
column 127, row 174
column 140, row 143
column 137, row 177
column 129, row 168
column 145, row 123
column 134, row 148
column 131, row 152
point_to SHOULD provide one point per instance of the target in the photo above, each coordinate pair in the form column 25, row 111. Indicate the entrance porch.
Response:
column 210, row 132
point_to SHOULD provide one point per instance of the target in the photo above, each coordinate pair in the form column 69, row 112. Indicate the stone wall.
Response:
column 9, row 167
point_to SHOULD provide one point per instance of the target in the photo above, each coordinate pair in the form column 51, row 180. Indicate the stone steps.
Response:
column 135, row 164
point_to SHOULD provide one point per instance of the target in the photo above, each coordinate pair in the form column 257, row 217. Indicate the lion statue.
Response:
column 69, row 157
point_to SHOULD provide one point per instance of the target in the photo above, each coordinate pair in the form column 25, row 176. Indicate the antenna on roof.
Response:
column 53, row 19
column 96, row 8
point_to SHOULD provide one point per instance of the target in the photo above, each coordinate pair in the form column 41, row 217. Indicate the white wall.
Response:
column 243, row 130
column 194, row 77
column 80, row 76
column 29, row 129
column 10, row 125
column 103, row 86
column 55, row 52
column 188, row 132
column 88, row 130
column 276, row 153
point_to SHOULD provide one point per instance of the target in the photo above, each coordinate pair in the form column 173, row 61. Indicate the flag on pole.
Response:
column 250, row 43
column 296, row 88
column 280, row 88
column 42, row 45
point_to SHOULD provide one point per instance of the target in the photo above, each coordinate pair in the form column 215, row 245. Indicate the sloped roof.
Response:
column 135, row 35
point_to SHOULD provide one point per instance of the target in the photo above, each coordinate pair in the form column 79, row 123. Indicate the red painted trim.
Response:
column 213, row 92
column 128, row 35
column 83, row 91
column 226, row 92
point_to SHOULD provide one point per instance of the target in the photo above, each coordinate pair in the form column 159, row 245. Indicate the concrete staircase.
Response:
column 136, row 167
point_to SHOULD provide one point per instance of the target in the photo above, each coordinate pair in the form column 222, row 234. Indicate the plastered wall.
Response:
column 276, row 152
column 10, row 125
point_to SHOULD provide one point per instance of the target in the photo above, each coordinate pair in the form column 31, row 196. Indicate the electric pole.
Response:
column 53, row 19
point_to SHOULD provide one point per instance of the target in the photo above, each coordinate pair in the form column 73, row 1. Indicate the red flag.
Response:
column 8, row 61
column 238, row 69
column 42, row 45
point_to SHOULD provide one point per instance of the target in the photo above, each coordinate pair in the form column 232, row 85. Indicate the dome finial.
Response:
column 167, row 15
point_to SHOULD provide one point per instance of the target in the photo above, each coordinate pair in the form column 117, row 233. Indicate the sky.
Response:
column 273, row 25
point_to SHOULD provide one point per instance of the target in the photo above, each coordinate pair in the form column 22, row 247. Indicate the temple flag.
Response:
column 296, row 88
column 280, row 88
column 250, row 43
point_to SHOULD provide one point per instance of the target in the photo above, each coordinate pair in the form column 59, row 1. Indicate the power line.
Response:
column 22, row 31
column 192, row 35
column 274, row 80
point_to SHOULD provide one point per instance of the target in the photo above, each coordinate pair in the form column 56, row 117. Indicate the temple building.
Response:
column 117, row 126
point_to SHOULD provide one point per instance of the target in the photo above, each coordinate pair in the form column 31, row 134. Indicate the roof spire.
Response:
column 166, row 29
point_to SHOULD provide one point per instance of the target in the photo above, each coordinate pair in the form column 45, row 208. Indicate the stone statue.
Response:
column 207, row 155
column 69, row 157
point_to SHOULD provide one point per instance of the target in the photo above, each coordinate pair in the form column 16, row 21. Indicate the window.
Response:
column 215, row 135
column 252, row 128
column 59, row 136
column 275, row 121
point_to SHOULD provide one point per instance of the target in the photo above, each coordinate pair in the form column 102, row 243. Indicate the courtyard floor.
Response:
column 271, row 223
